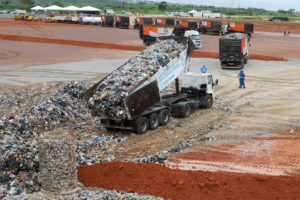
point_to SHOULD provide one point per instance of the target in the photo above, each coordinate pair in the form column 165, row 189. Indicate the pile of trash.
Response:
column 90, row 193
column 22, row 123
column 111, row 92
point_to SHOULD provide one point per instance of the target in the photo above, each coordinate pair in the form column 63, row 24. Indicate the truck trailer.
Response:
column 233, row 27
column 210, row 27
column 132, row 97
column 187, row 25
column 234, row 50
column 108, row 20
column 150, row 33
column 140, row 21
column 122, row 22
column 164, row 21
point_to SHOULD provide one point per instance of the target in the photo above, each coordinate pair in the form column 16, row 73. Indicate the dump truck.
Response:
column 233, row 27
column 187, row 25
column 210, row 27
column 141, row 104
column 234, row 50
column 108, row 20
column 139, row 21
column 122, row 22
column 150, row 33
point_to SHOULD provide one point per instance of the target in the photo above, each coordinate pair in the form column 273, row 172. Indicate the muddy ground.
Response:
column 241, row 133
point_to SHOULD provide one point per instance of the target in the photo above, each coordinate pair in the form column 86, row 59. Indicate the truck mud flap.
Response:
column 142, row 99
column 231, row 67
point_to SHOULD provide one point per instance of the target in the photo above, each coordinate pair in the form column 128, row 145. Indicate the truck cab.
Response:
column 200, row 86
column 195, row 37
column 224, row 30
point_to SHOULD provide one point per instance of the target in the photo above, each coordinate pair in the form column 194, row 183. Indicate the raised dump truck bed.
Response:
column 233, row 50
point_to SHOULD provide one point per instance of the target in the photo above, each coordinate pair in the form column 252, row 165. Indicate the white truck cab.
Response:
column 200, row 84
column 224, row 30
column 195, row 37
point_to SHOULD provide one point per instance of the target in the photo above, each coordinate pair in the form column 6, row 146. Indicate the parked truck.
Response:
column 144, row 106
column 140, row 21
column 108, row 20
column 164, row 21
column 150, row 33
column 210, row 27
column 187, row 25
column 122, row 22
column 233, row 27
column 234, row 50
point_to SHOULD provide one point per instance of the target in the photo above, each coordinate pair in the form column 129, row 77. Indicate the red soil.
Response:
column 158, row 180
column 274, row 154
column 196, row 54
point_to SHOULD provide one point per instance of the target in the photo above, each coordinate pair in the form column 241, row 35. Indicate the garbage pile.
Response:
column 90, row 193
column 21, row 124
column 109, row 95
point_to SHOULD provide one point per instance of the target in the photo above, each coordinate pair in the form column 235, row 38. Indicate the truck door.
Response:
column 209, row 84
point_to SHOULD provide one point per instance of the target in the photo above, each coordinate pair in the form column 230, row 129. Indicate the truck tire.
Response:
column 147, row 42
column 164, row 117
column 187, row 110
column 208, row 102
column 141, row 125
column 153, row 121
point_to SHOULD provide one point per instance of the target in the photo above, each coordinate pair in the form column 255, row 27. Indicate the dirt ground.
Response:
column 86, row 36
column 252, row 130
column 274, row 154
column 160, row 181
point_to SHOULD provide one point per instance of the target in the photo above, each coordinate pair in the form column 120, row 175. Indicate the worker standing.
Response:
column 242, row 79
column 203, row 69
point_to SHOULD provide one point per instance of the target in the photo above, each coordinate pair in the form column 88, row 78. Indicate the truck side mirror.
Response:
column 216, row 82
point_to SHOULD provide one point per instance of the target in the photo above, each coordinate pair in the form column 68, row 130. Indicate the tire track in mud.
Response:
column 44, row 32
column 196, row 54
column 6, row 54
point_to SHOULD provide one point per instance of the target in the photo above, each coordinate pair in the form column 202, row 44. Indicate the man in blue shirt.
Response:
column 203, row 69
column 242, row 79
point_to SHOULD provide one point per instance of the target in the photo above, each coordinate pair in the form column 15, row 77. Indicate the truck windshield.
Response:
column 195, row 37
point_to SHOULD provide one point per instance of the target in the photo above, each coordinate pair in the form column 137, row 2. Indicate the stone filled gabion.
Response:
column 58, row 172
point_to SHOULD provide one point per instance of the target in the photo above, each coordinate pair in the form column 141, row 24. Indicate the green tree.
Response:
column 58, row 3
column 291, row 11
column 281, row 11
column 27, row 2
column 162, row 6
column 6, row 2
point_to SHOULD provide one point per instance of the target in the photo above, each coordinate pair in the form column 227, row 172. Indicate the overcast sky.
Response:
column 266, row 4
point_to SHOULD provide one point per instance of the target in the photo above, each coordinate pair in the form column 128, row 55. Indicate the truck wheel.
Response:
column 147, row 42
column 164, row 117
column 187, row 110
column 208, row 101
column 141, row 125
column 153, row 121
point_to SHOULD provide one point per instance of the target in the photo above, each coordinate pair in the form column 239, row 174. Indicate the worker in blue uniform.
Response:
column 242, row 79
column 203, row 69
